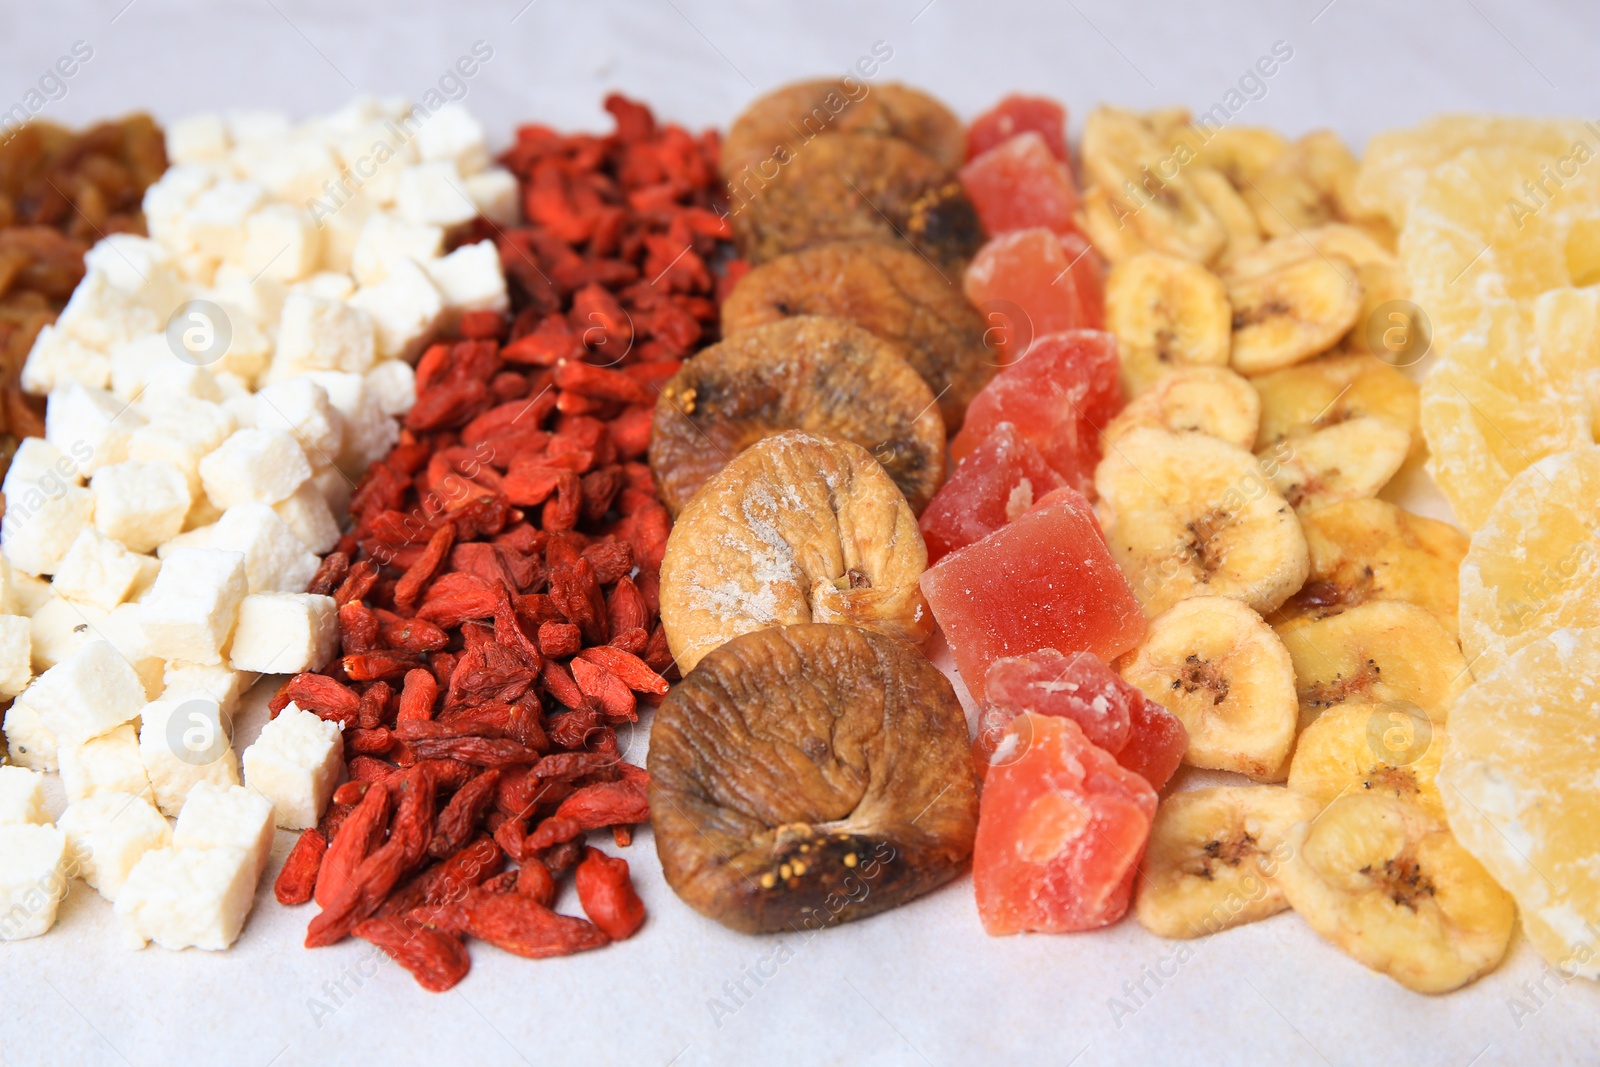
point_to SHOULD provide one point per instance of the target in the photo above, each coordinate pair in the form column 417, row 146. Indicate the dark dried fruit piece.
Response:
column 810, row 774
column 885, row 289
column 807, row 373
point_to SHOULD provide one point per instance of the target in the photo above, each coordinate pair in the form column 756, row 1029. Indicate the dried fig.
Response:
column 797, row 528
column 887, row 289
column 807, row 775
column 806, row 373
column 785, row 119
column 855, row 186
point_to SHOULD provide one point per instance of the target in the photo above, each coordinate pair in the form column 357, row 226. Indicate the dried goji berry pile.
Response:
column 497, row 593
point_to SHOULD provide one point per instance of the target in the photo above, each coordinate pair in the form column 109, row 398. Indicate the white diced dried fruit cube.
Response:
column 190, row 611
column 296, row 763
column 226, row 816
column 309, row 516
column 31, row 593
column 108, row 833
column 300, row 408
column 215, row 222
column 39, row 528
column 433, row 194
column 16, row 654
column 140, row 504
column 91, row 691
column 214, row 681
column 281, row 242
column 326, row 285
column 29, row 742
column 275, row 560
column 175, row 377
column 40, row 465
column 106, row 764
column 76, row 416
column 293, row 169
column 33, row 879
column 247, row 298
column 97, row 570
column 198, row 138
column 123, row 629
column 167, row 201
column 184, row 741
column 199, row 537
column 182, row 431
column 285, row 633
column 254, row 466
column 203, row 512
column 405, row 308
column 22, row 796
column 470, row 278
column 58, row 628
column 188, row 897
column 341, row 228
column 318, row 333
column 394, row 384
column 369, row 434
column 452, row 133
column 496, row 195
column 57, row 358
column 132, row 363
column 385, row 240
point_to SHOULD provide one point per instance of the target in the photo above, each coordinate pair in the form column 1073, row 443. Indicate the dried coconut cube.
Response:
column 91, row 691
column 16, row 654
column 190, row 611
column 199, row 537
column 454, row 134
column 291, row 169
column 175, row 738
column 97, row 570
column 140, row 504
column 33, row 879
column 254, row 466
column 248, row 298
column 181, row 431
column 385, row 240
column 470, row 278
column 369, row 434
column 57, row 358
column 281, row 241
column 309, row 516
column 176, row 377
column 226, row 816
column 394, row 384
column 100, row 315
column 22, row 797
column 28, row 741
column 495, row 194
column 275, row 559
column 405, row 307
column 300, row 408
column 317, row 333
column 107, row 834
column 167, row 201
column 38, row 529
column 296, row 763
column 432, row 194
column 106, row 764
column 285, row 633
column 188, row 897
column 326, row 285
column 132, row 362
column 76, row 416
column 40, row 465
column 215, row 222
column 198, row 138
column 341, row 230
column 123, row 629
column 215, row 682
column 30, row 593
column 58, row 628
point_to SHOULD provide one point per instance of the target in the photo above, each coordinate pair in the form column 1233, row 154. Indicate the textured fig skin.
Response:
column 886, row 289
column 808, row 775
column 811, row 373
column 851, row 186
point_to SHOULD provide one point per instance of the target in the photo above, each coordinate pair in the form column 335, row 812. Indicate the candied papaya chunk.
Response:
column 1059, row 396
column 1028, row 283
column 1003, row 478
column 1044, row 580
column 1061, row 828
column 1019, row 114
column 1020, row 184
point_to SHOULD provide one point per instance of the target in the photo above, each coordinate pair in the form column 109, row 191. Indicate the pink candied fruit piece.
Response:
column 1020, row 184
column 1044, row 580
column 1144, row 737
column 1019, row 114
column 1059, row 396
column 1028, row 283
column 1002, row 478
column 1061, row 829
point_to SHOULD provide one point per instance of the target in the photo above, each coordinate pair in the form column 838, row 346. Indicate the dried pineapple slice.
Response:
column 1387, row 883
column 1383, row 749
column 1146, row 187
column 1214, row 663
column 1518, row 787
column 1167, row 312
column 1333, row 389
column 1381, row 651
column 1208, row 400
column 1213, row 856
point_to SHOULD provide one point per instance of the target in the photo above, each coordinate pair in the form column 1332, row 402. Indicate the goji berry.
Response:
column 607, row 896
column 298, row 878
column 435, row 959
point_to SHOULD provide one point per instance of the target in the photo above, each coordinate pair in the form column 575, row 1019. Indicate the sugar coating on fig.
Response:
column 811, row 373
column 796, row 528
column 887, row 289
column 807, row 775
column 851, row 186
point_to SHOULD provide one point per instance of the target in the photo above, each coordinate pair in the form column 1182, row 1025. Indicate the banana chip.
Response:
column 1384, row 749
column 1308, row 185
column 1167, row 312
column 1349, row 461
column 1208, row 400
column 1146, row 187
column 1286, row 308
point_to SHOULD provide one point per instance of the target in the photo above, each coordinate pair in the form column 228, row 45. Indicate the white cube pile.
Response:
column 213, row 393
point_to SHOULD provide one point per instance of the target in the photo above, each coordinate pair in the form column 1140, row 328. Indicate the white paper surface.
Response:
column 922, row 984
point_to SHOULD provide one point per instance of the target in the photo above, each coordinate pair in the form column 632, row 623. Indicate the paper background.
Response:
column 920, row 985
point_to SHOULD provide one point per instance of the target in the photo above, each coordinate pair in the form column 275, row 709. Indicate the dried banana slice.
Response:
column 1220, row 669
column 1365, row 550
column 1383, row 749
column 1242, row 153
column 1208, row 400
column 1333, row 389
column 1106, row 225
column 796, row 528
column 1244, row 233
column 1147, row 190
column 1167, row 312
column 1381, row 651
column 1388, row 884
column 1286, row 310
column 1188, row 515
column 1306, row 186
column 1348, row 461
column 1213, row 858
